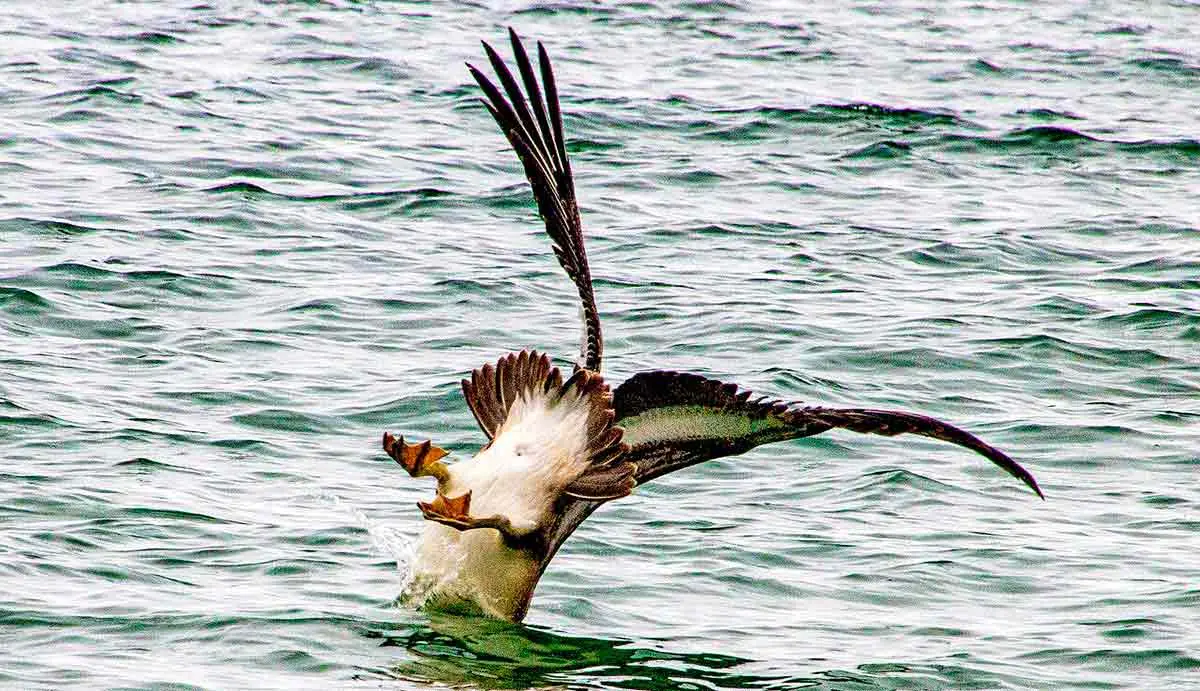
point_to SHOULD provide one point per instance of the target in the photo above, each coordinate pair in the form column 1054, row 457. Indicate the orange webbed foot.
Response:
column 420, row 460
column 455, row 513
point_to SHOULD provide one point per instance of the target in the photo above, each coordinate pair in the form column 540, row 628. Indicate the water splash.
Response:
column 387, row 539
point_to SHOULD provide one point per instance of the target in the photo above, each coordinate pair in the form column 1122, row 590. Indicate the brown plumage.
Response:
column 542, row 150
column 556, row 450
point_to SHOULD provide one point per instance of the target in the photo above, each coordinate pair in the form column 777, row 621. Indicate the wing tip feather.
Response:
column 538, row 140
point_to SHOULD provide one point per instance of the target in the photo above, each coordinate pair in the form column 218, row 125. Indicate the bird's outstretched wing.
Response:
column 673, row 420
column 537, row 137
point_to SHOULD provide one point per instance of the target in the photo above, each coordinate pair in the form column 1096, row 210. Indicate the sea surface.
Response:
column 239, row 241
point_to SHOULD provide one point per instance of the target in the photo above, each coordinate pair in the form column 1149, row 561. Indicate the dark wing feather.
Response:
column 493, row 389
column 537, row 137
column 673, row 420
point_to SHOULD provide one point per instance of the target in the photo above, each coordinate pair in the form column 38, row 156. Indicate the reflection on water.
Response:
column 447, row 650
column 488, row 654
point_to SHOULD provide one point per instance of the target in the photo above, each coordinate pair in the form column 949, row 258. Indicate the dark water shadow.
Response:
column 462, row 652
column 469, row 652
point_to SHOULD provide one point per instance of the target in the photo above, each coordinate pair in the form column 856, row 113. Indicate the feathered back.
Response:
column 493, row 391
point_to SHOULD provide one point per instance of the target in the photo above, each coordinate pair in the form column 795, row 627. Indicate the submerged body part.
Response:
column 558, row 449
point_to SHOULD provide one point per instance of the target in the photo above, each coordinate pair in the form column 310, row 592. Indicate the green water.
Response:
column 238, row 242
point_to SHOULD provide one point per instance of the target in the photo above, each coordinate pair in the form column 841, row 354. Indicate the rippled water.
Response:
column 239, row 242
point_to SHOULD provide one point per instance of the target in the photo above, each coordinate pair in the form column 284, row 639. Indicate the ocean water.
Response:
column 239, row 241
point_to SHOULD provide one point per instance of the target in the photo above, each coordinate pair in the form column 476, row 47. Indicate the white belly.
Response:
column 470, row 570
column 540, row 449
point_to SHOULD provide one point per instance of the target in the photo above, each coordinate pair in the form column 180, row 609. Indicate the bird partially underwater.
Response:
column 560, row 447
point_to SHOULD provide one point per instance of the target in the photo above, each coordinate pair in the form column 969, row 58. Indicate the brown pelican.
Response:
column 558, row 448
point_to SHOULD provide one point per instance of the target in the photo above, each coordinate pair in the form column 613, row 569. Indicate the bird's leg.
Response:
column 420, row 460
column 455, row 512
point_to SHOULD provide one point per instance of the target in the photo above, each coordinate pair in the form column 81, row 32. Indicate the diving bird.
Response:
column 560, row 446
